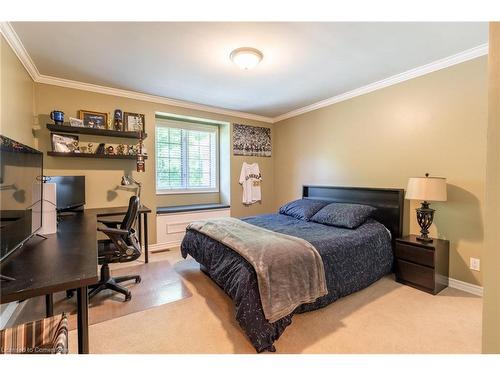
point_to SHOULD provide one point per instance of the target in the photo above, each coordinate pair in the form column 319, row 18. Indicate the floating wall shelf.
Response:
column 94, row 131
column 94, row 156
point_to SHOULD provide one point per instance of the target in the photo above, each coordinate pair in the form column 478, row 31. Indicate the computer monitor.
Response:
column 21, row 192
column 70, row 192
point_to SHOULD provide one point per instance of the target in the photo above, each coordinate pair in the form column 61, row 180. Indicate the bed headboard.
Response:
column 389, row 202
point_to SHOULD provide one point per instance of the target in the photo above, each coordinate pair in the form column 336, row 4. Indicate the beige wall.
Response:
column 103, row 176
column 16, row 96
column 491, row 254
column 435, row 123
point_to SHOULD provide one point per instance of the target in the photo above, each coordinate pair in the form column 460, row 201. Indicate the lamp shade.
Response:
column 426, row 188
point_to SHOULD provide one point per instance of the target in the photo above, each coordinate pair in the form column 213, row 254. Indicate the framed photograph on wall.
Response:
column 91, row 119
column 251, row 140
column 133, row 122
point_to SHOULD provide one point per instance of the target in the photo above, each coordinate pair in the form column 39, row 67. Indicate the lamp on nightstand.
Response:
column 426, row 189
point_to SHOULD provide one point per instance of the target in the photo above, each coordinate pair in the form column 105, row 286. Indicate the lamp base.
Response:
column 425, row 216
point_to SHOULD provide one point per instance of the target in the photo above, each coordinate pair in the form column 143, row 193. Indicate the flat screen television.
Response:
column 70, row 192
column 21, row 192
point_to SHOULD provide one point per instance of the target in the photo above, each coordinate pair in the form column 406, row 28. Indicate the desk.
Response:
column 142, row 224
column 65, row 260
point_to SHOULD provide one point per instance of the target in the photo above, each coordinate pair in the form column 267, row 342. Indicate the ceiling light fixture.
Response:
column 246, row 58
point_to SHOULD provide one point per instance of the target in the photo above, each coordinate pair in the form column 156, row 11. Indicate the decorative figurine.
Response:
column 120, row 149
column 91, row 148
column 75, row 147
column 118, row 125
column 57, row 116
column 131, row 150
column 140, row 163
column 100, row 149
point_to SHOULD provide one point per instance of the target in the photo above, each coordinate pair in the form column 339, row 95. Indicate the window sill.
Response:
column 175, row 192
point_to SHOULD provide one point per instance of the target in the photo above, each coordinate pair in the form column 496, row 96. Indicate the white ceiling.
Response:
column 303, row 62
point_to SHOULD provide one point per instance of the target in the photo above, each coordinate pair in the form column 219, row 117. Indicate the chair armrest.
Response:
column 113, row 231
column 109, row 223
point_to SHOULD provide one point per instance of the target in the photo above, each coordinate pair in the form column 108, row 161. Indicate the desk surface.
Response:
column 65, row 260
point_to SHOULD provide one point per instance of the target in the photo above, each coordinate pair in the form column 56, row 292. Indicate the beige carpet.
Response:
column 387, row 317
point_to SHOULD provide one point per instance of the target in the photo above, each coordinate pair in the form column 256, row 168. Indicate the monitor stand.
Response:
column 8, row 278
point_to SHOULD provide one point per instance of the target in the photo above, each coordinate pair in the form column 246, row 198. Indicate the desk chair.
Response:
column 122, row 246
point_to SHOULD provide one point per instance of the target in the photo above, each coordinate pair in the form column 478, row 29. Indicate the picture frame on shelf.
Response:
column 76, row 122
column 63, row 142
column 92, row 119
column 134, row 122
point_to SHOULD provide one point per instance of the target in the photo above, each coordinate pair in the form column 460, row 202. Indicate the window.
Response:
column 186, row 157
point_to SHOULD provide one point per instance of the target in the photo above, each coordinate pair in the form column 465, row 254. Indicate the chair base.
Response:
column 112, row 283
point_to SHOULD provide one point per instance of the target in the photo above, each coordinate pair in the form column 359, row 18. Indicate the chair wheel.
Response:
column 128, row 297
column 138, row 279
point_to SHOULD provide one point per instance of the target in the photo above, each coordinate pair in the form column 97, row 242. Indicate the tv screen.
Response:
column 70, row 191
column 21, row 192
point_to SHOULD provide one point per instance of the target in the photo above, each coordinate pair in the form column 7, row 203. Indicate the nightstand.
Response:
column 422, row 265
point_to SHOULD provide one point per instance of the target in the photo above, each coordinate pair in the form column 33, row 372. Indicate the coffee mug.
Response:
column 57, row 116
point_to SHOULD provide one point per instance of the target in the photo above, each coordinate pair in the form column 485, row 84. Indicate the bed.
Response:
column 353, row 258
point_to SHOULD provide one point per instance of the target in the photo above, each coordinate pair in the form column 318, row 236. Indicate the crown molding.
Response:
column 49, row 80
column 15, row 43
column 446, row 62
column 13, row 39
column 18, row 48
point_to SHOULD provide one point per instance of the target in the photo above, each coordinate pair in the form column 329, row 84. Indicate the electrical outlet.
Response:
column 475, row 264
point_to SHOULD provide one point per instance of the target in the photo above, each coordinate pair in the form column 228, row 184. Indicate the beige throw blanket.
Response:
column 289, row 269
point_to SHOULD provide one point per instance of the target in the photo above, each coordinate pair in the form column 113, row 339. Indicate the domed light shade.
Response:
column 246, row 58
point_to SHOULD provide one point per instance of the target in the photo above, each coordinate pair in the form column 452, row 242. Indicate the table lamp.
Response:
column 128, row 180
column 426, row 189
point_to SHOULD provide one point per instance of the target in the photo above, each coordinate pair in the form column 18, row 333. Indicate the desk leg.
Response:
column 49, row 305
column 83, row 320
column 139, row 229
column 146, row 250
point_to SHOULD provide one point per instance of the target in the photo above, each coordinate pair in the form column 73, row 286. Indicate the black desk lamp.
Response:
column 426, row 189
column 128, row 180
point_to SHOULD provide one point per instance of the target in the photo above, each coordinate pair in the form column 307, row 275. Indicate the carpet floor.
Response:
column 386, row 317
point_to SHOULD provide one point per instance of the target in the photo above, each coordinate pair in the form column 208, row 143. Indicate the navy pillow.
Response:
column 344, row 215
column 302, row 209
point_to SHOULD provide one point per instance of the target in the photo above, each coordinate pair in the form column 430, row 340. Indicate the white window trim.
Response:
column 161, row 122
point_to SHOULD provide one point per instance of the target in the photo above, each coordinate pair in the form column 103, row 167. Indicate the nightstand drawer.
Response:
column 415, row 254
column 415, row 274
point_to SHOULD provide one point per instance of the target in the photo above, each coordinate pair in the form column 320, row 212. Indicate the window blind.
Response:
column 186, row 156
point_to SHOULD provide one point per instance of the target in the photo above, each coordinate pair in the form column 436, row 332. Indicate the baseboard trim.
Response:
column 466, row 287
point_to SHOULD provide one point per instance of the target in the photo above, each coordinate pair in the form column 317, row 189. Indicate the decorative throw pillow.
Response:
column 302, row 209
column 344, row 215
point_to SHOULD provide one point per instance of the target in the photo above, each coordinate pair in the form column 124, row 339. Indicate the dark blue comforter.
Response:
column 353, row 259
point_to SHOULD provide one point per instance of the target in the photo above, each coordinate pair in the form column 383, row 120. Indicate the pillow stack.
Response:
column 343, row 215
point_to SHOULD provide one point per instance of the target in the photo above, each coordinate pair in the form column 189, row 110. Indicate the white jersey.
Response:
column 250, row 179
